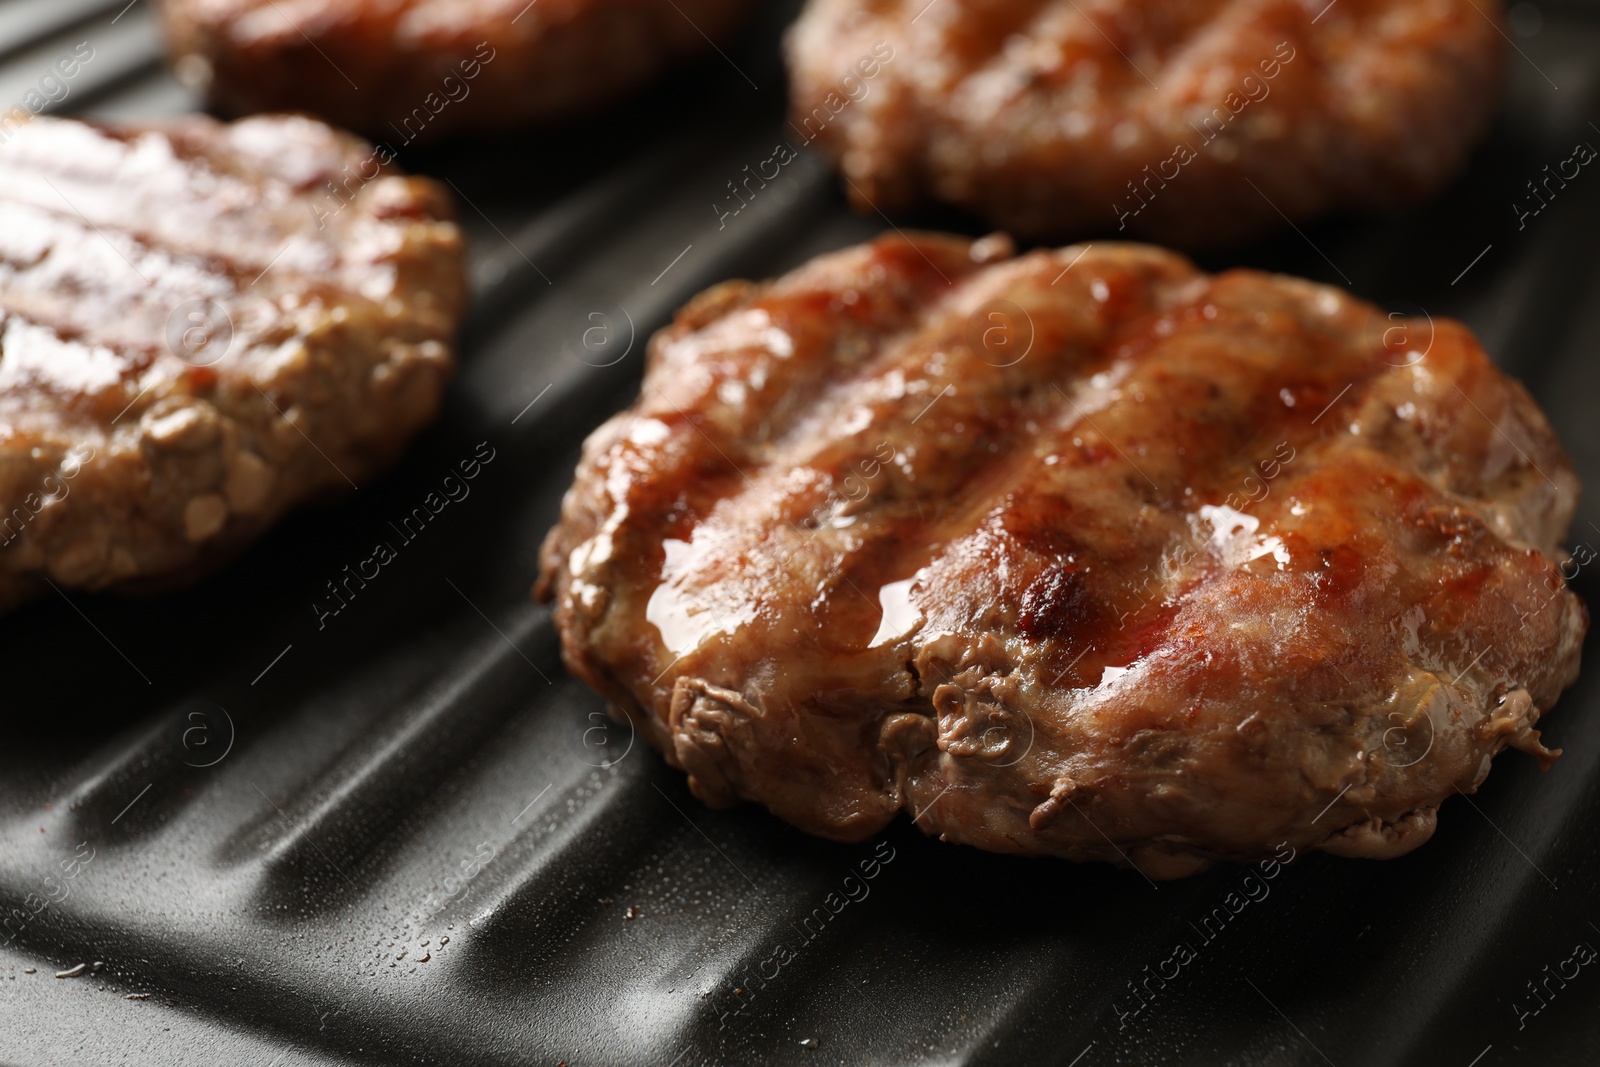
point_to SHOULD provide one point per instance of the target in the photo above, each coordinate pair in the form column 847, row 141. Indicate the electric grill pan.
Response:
column 401, row 834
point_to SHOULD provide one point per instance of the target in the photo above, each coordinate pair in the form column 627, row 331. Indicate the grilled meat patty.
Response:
column 198, row 334
column 405, row 70
column 1196, row 122
column 1081, row 553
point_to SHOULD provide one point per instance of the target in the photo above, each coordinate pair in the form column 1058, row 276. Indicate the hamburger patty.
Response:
column 196, row 336
column 1082, row 553
column 404, row 70
column 1057, row 118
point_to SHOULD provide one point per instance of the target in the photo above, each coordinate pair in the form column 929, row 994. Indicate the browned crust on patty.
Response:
column 1219, row 562
column 380, row 66
column 134, row 455
column 1193, row 123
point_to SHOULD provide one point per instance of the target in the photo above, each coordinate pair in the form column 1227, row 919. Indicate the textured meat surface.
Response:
column 380, row 66
column 195, row 337
column 1082, row 553
column 1061, row 118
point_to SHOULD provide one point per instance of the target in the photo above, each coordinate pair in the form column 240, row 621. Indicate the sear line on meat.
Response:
column 405, row 70
column 1081, row 553
column 1193, row 122
column 197, row 335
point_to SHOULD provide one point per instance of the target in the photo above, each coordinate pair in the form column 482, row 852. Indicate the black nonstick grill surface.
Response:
column 403, row 835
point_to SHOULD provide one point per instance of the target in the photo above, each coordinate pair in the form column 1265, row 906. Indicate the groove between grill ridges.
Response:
column 131, row 46
column 649, row 291
column 291, row 991
column 286, row 996
column 157, row 767
column 684, row 999
column 606, row 833
column 123, row 47
column 29, row 22
column 152, row 757
column 356, row 800
column 546, row 241
column 537, row 921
